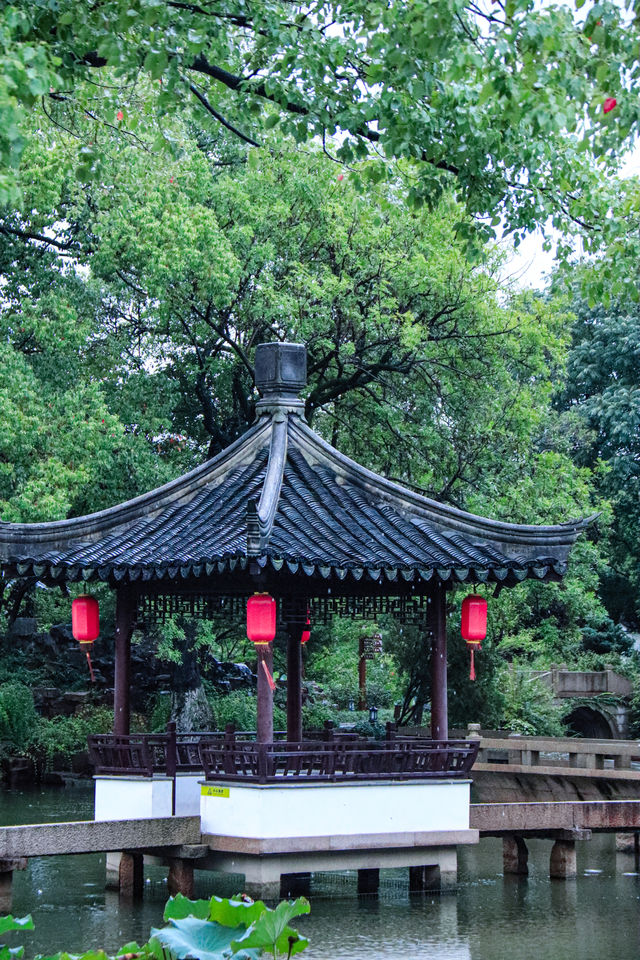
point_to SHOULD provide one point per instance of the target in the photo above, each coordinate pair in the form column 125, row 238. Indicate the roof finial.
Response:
column 280, row 374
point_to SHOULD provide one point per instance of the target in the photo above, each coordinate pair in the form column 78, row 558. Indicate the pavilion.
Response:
column 281, row 511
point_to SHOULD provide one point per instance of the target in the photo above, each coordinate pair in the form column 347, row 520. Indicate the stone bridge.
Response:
column 606, row 695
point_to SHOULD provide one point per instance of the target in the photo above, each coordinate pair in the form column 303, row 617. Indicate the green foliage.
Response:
column 333, row 664
column 9, row 924
column 160, row 712
column 271, row 931
column 505, row 109
column 215, row 929
column 634, row 710
column 66, row 735
column 601, row 390
column 528, row 706
column 23, row 732
column 18, row 717
column 315, row 715
column 239, row 707
column 191, row 937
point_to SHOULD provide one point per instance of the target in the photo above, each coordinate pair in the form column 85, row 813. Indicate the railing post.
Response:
column 262, row 763
column 172, row 763
column 392, row 729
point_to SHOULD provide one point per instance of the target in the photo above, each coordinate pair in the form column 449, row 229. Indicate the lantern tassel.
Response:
column 91, row 674
column 472, row 670
column 270, row 679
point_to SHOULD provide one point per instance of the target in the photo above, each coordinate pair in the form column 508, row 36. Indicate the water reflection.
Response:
column 491, row 917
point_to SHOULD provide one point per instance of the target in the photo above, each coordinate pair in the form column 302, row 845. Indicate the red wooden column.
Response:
column 438, row 618
column 265, row 694
column 294, row 680
column 125, row 622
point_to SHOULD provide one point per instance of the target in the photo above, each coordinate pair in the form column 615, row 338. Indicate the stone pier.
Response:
column 562, row 864
column 515, row 856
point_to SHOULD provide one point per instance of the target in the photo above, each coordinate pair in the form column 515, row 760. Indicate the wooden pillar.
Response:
column 439, row 710
column 125, row 622
column 294, row 684
column 265, row 694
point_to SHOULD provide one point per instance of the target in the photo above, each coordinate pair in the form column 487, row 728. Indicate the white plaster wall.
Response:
column 188, row 795
column 132, row 798
column 334, row 809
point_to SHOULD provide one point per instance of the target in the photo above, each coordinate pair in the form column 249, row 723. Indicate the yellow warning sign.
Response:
column 206, row 791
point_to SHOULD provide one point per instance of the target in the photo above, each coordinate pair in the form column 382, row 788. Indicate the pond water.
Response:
column 489, row 918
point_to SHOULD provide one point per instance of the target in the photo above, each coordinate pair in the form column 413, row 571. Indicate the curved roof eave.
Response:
column 47, row 536
column 441, row 515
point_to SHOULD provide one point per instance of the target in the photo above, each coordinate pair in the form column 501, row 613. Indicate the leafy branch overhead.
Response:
column 508, row 102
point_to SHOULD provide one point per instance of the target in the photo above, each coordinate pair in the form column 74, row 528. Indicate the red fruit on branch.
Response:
column 609, row 104
column 341, row 176
column 120, row 115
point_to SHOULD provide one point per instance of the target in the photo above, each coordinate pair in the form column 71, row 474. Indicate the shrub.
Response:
column 67, row 735
column 240, row 708
column 18, row 717
column 529, row 708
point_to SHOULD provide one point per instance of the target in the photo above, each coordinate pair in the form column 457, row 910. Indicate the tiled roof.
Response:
column 282, row 498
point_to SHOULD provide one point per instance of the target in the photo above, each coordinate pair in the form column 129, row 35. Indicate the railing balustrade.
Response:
column 231, row 756
column 559, row 752
column 336, row 760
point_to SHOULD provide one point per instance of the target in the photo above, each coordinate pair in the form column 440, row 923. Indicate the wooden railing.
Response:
column 337, row 760
column 148, row 753
column 231, row 756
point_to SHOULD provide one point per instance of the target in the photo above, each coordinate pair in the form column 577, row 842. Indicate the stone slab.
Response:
column 256, row 846
column 91, row 836
column 537, row 770
column 498, row 819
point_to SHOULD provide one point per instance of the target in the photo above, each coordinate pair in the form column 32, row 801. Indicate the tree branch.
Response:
column 218, row 116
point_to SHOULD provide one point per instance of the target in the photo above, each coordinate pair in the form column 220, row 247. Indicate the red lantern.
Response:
column 85, row 619
column 474, row 625
column 261, row 618
column 306, row 633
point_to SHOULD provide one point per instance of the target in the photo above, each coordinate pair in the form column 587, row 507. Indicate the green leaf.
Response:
column 156, row 63
column 272, row 932
column 180, row 906
column 236, row 912
column 15, row 923
column 200, row 939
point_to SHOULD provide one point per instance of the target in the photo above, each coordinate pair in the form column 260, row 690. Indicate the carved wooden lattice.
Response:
column 158, row 608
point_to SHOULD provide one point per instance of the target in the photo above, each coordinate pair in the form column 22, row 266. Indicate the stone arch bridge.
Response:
column 604, row 696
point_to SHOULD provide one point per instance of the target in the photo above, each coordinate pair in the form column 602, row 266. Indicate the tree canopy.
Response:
column 518, row 107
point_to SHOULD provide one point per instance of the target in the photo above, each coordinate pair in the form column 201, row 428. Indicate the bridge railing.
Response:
column 560, row 752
